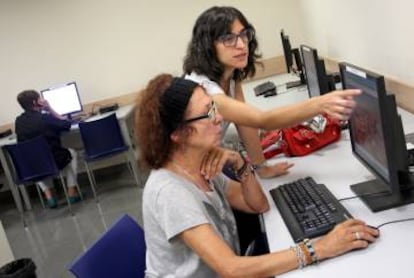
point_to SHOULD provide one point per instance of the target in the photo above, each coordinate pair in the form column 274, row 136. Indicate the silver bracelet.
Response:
column 260, row 165
column 299, row 255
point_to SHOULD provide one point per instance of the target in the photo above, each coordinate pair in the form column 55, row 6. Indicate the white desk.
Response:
column 284, row 97
column 125, row 115
column 335, row 166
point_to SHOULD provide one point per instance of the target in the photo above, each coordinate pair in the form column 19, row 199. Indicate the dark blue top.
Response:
column 31, row 124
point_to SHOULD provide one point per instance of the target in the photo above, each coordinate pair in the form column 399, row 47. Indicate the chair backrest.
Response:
column 102, row 136
column 32, row 160
column 120, row 252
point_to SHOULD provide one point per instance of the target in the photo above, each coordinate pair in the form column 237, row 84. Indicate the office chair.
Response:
column 32, row 161
column 119, row 252
column 103, row 139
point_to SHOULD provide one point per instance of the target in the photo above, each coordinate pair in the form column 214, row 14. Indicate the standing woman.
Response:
column 189, row 227
column 221, row 54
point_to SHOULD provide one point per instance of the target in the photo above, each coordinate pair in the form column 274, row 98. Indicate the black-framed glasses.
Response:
column 211, row 114
column 230, row 40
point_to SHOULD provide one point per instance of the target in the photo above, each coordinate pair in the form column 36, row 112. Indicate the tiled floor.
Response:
column 54, row 238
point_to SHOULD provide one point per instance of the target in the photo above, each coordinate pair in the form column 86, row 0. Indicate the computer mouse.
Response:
column 375, row 228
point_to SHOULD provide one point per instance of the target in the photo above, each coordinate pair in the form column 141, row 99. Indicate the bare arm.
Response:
column 219, row 256
column 338, row 104
column 246, row 195
column 251, row 141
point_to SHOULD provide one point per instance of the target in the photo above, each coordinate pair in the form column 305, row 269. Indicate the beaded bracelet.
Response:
column 239, row 173
column 299, row 255
column 306, row 254
column 311, row 250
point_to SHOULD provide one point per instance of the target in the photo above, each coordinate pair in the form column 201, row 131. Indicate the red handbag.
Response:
column 300, row 140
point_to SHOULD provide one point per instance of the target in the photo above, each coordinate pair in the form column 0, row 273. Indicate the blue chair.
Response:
column 103, row 139
column 119, row 252
column 32, row 161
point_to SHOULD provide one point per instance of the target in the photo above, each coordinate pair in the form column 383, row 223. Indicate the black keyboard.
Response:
column 308, row 209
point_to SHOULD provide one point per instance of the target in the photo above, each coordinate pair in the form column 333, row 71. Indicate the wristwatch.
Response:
column 260, row 165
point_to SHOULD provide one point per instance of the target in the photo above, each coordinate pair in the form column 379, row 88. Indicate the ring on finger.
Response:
column 357, row 236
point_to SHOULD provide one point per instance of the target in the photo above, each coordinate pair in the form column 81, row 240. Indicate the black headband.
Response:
column 174, row 102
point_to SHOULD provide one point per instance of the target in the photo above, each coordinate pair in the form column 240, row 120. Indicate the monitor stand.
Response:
column 378, row 197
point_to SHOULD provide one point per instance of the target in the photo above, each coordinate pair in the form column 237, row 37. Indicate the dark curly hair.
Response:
column 160, row 111
column 201, row 54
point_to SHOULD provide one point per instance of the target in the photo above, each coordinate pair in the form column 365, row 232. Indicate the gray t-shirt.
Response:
column 171, row 205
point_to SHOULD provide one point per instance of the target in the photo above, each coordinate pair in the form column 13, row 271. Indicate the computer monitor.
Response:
column 64, row 99
column 378, row 141
column 314, row 68
column 292, row 55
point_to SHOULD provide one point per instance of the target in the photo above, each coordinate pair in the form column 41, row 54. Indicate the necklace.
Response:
column 209, row 194
column 183, row 171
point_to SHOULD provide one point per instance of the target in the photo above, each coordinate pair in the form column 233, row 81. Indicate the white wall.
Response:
column 112, row 47
column 375, row 34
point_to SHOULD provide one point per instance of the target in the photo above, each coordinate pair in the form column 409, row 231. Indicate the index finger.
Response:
column 350, row 92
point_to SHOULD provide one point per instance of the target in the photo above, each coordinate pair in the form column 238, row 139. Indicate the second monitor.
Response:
column 318, row 81
column 292, row 60
column 378, row 141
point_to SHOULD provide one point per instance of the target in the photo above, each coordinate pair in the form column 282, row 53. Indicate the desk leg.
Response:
column 128, row 140
column 26, row 198
column 10, row 182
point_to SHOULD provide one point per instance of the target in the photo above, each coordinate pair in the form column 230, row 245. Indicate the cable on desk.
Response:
column 363, row 195
column 395, row 221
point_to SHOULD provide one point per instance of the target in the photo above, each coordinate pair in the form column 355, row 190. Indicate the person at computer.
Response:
column 222, row 52
column 189, row 227
column 38, row 119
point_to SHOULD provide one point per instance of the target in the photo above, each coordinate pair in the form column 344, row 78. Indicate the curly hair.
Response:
column 160, row 111
column 201, row 54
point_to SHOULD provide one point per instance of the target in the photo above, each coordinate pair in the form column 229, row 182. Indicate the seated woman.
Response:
column 190, row 230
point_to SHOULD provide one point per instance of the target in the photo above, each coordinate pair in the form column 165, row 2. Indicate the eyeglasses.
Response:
column 211, row 114
column 230, row 40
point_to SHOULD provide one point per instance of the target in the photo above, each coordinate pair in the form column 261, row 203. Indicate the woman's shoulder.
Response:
column 198, row 78
column 163, row 182
column 209, row 85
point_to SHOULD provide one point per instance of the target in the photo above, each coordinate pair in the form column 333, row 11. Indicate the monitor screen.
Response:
column 377, row 140
column 314, row 71
column 367, row 134
column 63, row 99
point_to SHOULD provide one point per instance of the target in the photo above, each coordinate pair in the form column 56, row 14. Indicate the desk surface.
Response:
column 335, row 166
column 284, row 96
column 121, row 113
